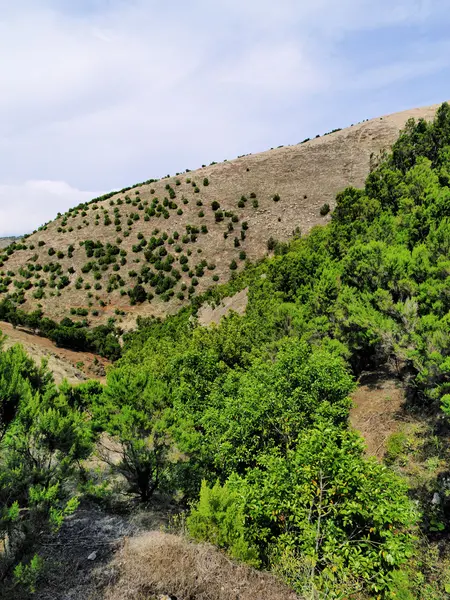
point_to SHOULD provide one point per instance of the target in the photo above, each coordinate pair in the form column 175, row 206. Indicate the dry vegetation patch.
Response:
column 157, row 563
column 378, row 409
column 74, row 366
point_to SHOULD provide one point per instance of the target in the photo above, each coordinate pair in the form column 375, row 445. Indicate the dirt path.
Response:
column 378, row 409
column 63, row 363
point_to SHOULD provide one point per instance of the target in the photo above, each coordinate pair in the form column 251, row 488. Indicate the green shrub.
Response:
column 218, row 519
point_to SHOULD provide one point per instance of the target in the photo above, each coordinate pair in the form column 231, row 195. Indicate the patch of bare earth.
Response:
column 378, row 409
column 74, row 366
column 209, row 314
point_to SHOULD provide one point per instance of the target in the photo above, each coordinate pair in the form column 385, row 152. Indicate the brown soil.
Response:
column 378, row 409
column 63, row 363
column 305, row 176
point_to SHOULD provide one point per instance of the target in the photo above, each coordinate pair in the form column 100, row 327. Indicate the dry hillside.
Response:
column 170, row 240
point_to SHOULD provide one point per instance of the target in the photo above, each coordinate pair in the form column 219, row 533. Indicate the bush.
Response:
column 233, row 265
column 315, row 515
column 324, row 209
column 271, row 244
column 276, row 197
column 218, row 519
column 129, row 411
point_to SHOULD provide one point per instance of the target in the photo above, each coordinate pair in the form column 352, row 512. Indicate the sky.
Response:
column 97, row 95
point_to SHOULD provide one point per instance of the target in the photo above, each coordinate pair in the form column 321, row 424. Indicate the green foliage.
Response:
column 257, row 406
column 218, row 519
column 43, row 438
column 324, row 209
column 321, row 514
column 130, row 410
column 28, row 574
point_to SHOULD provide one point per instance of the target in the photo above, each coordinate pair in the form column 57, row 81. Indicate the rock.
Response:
column 92, row 556
column 436, row 499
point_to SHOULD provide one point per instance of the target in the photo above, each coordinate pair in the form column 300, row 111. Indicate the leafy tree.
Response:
column 42, row 440
column 131, row 411
column 321, row 516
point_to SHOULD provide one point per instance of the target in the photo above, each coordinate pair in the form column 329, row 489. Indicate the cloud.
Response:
column 105, row 93
column 25, row 207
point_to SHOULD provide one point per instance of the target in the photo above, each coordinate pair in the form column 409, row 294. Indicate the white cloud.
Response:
column 25, row 207
column 109, row 92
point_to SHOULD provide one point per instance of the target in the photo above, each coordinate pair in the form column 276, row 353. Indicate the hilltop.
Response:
column 146, row 250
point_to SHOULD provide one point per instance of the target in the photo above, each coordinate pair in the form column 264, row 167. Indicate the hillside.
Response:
column 305, row 436
column 148, row 249
column 6, row 241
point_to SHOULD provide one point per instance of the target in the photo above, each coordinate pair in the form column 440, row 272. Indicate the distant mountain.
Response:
column 6, row 241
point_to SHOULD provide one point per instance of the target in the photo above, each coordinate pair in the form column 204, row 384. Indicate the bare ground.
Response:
column 209, row 314
column 100, row 556
column 378, row 409
column 63, row 363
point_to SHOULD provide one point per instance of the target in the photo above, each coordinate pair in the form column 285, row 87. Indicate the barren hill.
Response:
column 158, row 243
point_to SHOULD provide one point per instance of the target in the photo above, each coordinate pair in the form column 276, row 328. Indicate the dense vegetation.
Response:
column 245, row 425
column 76, row 335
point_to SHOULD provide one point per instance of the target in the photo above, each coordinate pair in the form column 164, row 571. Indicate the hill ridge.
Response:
column 134, row 255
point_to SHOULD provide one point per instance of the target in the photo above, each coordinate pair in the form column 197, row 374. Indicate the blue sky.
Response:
column 100, row 94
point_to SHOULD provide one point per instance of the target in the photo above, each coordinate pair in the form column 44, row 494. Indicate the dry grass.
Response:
column 305, row 176
column 155, row 563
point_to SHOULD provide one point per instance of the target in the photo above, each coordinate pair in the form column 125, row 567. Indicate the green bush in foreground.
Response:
column 42, row 440
column 322, row 516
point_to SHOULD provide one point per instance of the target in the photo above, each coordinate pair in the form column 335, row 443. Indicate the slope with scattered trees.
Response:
column 148, row 249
